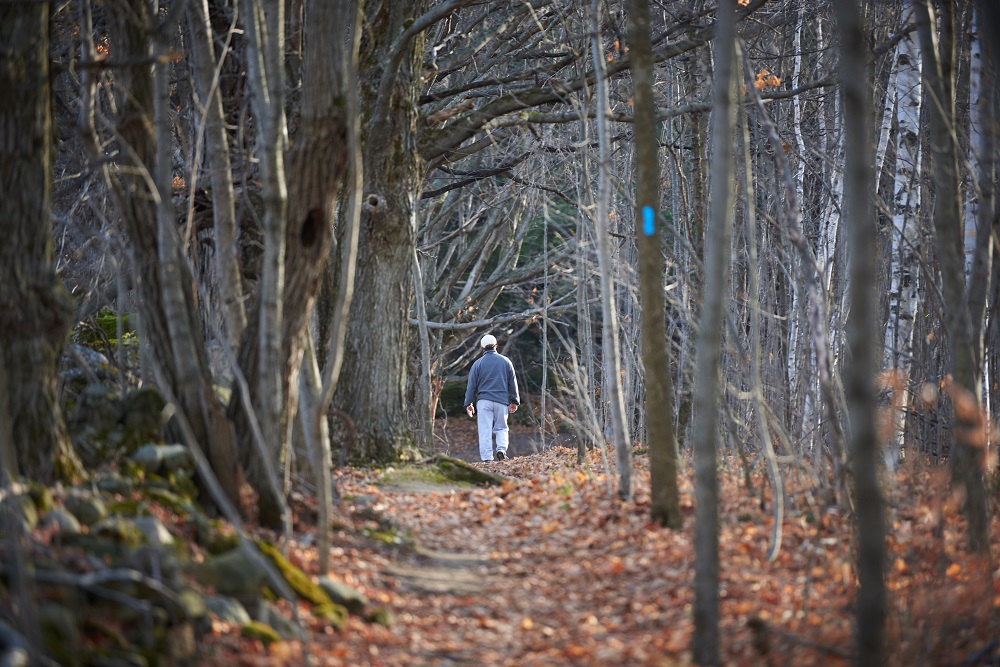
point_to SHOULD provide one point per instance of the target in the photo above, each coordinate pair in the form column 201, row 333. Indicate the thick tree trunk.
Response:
column 35, row 310
column 706, row 408
column 373, row 379
column 316, row 164
column 659, row 410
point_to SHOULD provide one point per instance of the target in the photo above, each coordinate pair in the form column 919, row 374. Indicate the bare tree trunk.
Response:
column 164, row 285
column 861, row 328
column 35, row 309
column 425, row 418
column 612, row 357
column 938, row 69
column 756, row 383
column 659, row 410
column 261, row 350
column 706, row 408
column 226, row 273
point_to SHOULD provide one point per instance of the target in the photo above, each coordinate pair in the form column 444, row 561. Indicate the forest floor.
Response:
column 551, row 569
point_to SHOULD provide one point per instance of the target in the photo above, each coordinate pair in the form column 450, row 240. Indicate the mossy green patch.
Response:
column 460, row 471
column 257, row 630
column 380, row 616
column 408, row 475
column 40, row 496
column 332, row 613
column 299, row 581
column 172, row 501
column 391, row 536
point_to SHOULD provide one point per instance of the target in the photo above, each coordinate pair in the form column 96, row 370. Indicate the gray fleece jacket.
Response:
column 492, row 379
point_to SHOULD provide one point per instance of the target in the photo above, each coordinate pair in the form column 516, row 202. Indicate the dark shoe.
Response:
column 502, row 456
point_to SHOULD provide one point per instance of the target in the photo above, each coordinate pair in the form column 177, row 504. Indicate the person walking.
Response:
column 492, row 395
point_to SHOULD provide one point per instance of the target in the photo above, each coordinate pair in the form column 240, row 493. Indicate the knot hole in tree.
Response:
column 374, row 203
column 311, row 228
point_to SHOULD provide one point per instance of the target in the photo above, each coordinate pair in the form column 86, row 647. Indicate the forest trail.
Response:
column 551, row 569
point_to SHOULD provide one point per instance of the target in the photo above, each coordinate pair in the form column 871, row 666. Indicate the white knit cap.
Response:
column 488, row 339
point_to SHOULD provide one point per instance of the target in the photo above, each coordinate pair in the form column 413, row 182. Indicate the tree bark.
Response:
column 659, row 410
column 35, row 310
column 717, row 267
column 226, row 273
column 937, row 48
column 165, row 298
column 860, row 381
column 373, row 378
column 612, row 357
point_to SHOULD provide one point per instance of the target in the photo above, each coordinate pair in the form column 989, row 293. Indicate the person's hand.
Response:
column 512, row 407
column 470, row 410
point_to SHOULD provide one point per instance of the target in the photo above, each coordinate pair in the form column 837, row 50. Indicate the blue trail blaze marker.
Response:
column 648, row 220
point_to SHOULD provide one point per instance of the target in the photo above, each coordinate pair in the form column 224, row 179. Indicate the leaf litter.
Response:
column 568, row 575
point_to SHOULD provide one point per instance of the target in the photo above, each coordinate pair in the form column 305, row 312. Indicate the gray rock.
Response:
column 345, row 595
column 64, row 522
column 163, row 458
column 227, row 609
column 150, row 457
column 80, row 362
column 119, row 530
column 86, row 506
column 154, row 531
column 286, row 629
column 115, row 483
column 175, row 457
column 235, row 573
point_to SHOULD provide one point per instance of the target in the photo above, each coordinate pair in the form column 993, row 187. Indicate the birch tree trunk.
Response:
column 905, row 272
column 860, row 379
column 706, row 409
column 659, row 410
column 612, row 358
column 35, row 310
column 937, row 50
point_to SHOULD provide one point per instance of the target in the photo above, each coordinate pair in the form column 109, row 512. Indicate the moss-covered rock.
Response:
column 172, row 501
column 227, row 609
column 286, row 628
column 298, row 580
column 460, row 471
column 342, row 594
column 41, row 496
column 86, row 506
column 332, row 613
column 64, row 523
column 380, row 616
column 234, row 573
column 154, row 532
column 118, row 530
column 260, row 631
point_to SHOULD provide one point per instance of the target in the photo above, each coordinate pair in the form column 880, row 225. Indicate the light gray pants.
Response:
column 491, row 418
